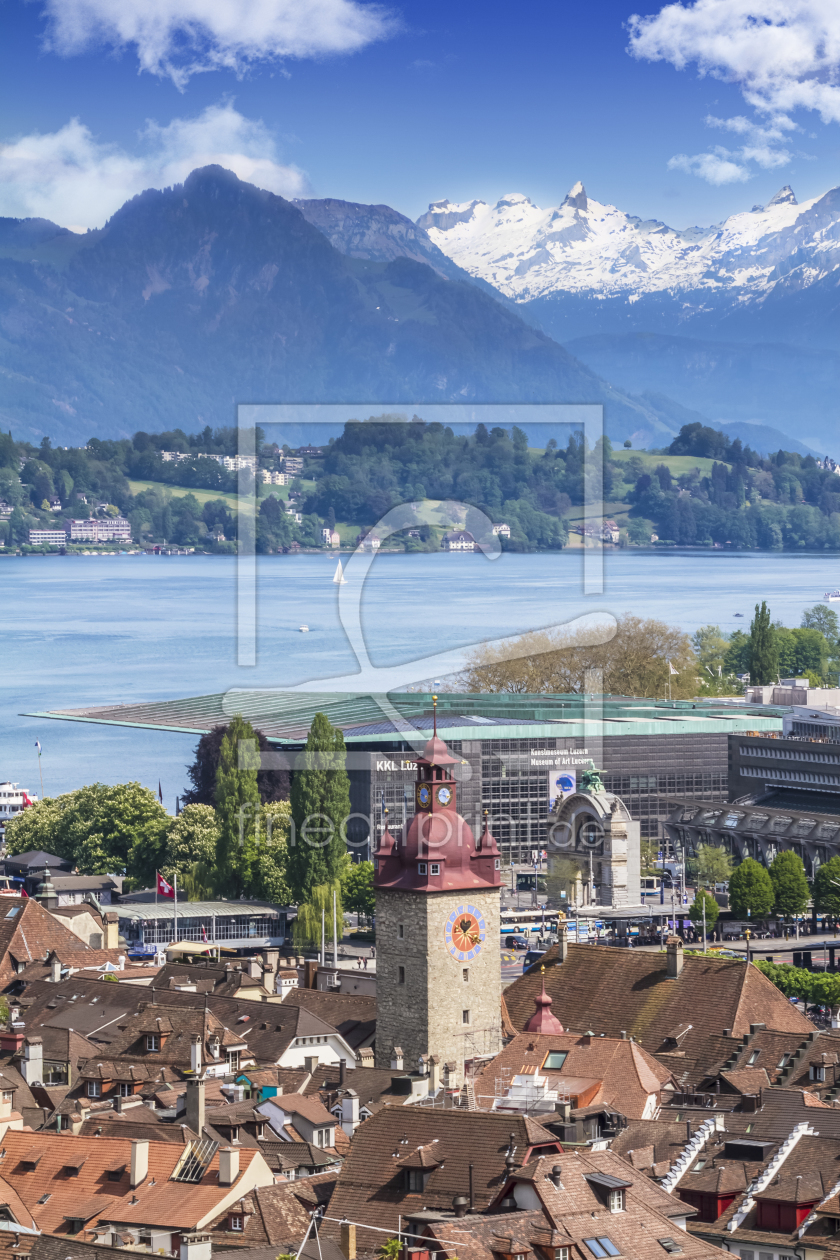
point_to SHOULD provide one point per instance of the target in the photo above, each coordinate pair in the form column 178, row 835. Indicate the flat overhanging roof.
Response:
column 199, row 910
column 286, row 716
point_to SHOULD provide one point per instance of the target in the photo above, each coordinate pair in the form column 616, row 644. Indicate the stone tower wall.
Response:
column 424, row 1013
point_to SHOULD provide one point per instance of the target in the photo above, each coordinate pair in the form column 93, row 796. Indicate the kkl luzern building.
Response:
column 438, row 984
column 516, row 754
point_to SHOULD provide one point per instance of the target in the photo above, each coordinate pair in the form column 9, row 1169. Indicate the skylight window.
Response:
column 555, row 1059
column 601, row 1247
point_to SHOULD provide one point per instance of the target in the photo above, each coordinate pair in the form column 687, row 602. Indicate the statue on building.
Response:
column 590, row 780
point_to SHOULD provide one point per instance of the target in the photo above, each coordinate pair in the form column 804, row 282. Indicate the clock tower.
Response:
column 438, row 975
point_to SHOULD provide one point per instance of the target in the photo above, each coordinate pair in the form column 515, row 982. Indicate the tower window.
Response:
column 421, row 867
column 465, row 975
column 400, row 975
column 400, row 932
column 498, row 864
column 465, row 1017
column 436, row 868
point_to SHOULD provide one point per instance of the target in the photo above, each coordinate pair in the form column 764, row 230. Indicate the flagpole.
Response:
column 175, row 909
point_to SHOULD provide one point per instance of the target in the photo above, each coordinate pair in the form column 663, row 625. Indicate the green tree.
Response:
column 825, row 989
column 794, row 982
column 101, row 828
column 764, row 656
column 237, row 807
column 193, row 837
column 317, row 912
column 750, row 890
column 823, row 619
column 271, row 872
column 320, row 801
column 357, row 888
column 695, row 910
column 827, row 888
column 737, row 659
column 790, row 884
column 714, row 865
column 649, row 855
column 710, row 645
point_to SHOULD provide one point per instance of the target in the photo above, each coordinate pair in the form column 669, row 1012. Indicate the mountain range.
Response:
column 198, row 297
column 740, row 320
column 212, row 293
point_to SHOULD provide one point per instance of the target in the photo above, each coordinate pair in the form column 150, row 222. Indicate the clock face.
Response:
column 424, row 794
column 444, row 795
column 465, row 931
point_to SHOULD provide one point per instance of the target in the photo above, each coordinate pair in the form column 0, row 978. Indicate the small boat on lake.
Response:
column 338, row 576
column 832, row 597
column 304, row 629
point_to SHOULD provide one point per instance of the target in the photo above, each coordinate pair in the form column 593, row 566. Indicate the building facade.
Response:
column 47, row 538
column 98, row 529
column 438, row 984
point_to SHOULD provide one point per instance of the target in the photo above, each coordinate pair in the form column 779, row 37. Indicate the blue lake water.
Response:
column 79, row 631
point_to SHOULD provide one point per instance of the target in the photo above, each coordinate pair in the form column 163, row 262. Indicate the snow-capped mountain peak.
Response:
column 584, row 245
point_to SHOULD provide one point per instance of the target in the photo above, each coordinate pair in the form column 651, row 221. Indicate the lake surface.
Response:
column 89, row 630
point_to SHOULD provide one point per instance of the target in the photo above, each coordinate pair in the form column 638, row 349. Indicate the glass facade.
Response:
column 512, row 779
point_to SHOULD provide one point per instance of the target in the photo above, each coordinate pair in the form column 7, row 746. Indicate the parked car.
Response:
column 533, row 955
column 516, row 942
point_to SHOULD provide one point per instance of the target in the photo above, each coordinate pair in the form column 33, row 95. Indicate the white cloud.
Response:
column 715, row 167
column 180, row 38
column 74, row 179
column 783, row 54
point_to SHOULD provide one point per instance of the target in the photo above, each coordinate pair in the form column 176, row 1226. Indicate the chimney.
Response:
column 434, row 1075
column 139, row 1161
column 111, row 932
column 195, row 1105
column 460, row 1205
column 342, row 1071
column 32, row 1067
column 350, row 1112
column 215, row 1046
column 55, row 969
column 228, row 1165
column 397, row 1059
column 195, row 1247
column 255, row 968
column 310, row 1062
column 562, row 940
column 348, row 1240
column 195, row 1053
column 555, row 1177
column 674, row 948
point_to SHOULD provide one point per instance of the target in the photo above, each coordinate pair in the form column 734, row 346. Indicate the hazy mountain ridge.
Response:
column 214, row 292
column 754, row 301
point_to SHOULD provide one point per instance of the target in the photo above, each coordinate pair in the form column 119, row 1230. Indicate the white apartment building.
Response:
column 231, row 462
column 13, row 799
column 293, row 465
column 276, row 478
column 98, row 529
column 47, row 537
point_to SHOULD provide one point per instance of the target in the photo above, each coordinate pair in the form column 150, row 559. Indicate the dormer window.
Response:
column 237, row 1224
column 615, row 1201
column 421, row 868
column 153, row 1041
column 94, row 1089
column 753, row 1058
column 436, row 868
column 817, row 1071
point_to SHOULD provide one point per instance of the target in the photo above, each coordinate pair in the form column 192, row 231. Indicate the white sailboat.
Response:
column 338, row 576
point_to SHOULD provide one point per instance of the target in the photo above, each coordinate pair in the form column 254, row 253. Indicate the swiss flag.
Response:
column 26, row 800
column 164, row 889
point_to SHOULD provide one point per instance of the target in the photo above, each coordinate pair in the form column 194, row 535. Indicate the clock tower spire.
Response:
column 437, row 886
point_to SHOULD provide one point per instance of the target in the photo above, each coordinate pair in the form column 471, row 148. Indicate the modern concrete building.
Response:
column 517, row 753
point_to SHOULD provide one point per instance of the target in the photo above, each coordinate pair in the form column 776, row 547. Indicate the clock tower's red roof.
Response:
column 438, row 851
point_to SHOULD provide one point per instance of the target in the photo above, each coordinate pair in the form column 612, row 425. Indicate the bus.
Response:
column 522, row 922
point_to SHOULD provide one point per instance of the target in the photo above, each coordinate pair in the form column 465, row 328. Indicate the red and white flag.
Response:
column 163, row 888
column 204, row 934
column 26, row 800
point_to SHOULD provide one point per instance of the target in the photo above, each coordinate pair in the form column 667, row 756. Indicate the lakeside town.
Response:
column 539, row 988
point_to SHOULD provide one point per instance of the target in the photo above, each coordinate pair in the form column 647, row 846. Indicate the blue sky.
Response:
column 427, row 101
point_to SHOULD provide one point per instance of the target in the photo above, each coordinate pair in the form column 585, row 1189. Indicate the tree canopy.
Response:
column 790, row 884
column 751, row 890
column 827, row 887
column 320, row 802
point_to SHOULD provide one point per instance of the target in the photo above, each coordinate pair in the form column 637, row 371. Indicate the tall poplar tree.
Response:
column 764, row 652
column 320, row 800
column 237, row 808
